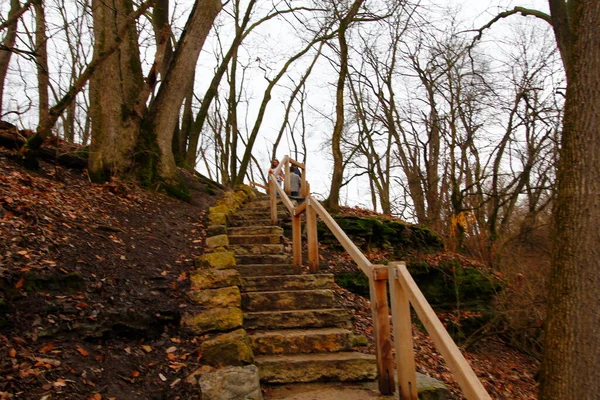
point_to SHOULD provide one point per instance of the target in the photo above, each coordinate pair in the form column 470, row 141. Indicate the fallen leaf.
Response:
column 147, row 348
column 46, row 348
column 12, row 353
column 19, row 284
column 135, row 374
column 172, row 349
column 82, row 351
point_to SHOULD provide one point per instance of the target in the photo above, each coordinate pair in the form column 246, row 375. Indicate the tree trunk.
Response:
column 114, row 91
column 163, row 115
column 41, row 59
column 8, row 42
column 572, row 343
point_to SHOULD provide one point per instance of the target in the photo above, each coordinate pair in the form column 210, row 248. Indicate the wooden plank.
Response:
column 464, row 375
column 286, row 177
column 297, row 243
column 381, row 334
column 285, row 199
column 297, row 164
column 403, row 340
column 363, row 263
column 300, row 209
column 380, row 272
column 273, row 198
column 312, row 238
column 256, row 184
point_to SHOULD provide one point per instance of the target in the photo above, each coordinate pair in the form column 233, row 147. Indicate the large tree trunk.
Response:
column 41, row 59
column 114, row 91
column 163, row 115
column 572, row 344
column 8, row 42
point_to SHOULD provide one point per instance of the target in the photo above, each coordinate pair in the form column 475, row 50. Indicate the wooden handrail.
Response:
column 359, row 258
column 404, row 292
column 466, row 378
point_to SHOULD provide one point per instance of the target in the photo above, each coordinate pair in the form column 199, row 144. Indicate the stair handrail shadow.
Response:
column 404, row 292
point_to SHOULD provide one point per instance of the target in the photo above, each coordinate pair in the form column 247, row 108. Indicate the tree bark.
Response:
column 114, row 91
column 572, row 344
column 337, row 177
column 8, row 42
column 163, row 115
column 41, row 59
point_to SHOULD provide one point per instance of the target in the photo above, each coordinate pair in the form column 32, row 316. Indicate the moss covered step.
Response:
column 296, row 341
column 288, row 282
column 259, row 270
column 259, row 220
column 256, row 249
column 319, row 318
column 342, row 366
column 263, row 259
column 254, row 230
column 255, row 239
column 287, row 300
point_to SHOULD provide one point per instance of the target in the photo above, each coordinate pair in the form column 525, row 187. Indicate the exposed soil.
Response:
column 92, row 283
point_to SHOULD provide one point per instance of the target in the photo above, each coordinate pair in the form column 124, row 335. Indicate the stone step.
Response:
column 295, row 341
column 287, row 282
column 252, row 221
column 263, row 259
column 254, row 239
column 319, row 318
column 341, row 366
column 288, row 300
column 255, row 230
column 257, row 249
column 258, row 270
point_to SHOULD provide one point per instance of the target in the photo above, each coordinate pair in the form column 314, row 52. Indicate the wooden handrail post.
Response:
column 273, row 198
column 459, row 367
column 286, row 177
column 311, row 237
column 403, row 340
column 297, row 243
column 381, row 333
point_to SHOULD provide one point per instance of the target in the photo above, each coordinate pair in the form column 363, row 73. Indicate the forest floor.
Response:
column 93, row 282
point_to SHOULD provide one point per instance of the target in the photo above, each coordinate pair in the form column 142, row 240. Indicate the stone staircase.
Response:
column 298, row 334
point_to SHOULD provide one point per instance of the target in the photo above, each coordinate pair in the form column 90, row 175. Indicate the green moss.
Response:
column 179, row 191
column 356, row 282
column 394, row 236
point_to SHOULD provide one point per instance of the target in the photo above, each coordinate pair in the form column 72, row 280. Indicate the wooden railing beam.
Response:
column 403, row 341
column 312, row 238
column 466, row 378
column 273, row 198
column 381, row 333
column 297, row 243
column 359, row 258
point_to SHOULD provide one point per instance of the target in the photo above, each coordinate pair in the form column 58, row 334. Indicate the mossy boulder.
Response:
column 231, row 348
column 369, row 233
column 217, row 241
column 217, row 298
column 217, row 218
column 216, row 260
column 222, row 209
column 217, row 319
column 215, row 278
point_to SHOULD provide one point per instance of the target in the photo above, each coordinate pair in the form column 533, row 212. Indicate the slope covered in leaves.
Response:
column 92, row 286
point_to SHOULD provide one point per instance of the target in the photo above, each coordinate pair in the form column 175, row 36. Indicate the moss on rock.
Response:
column 216, row 260
column 231, row 348
column 217, row 319
column 217, row 298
